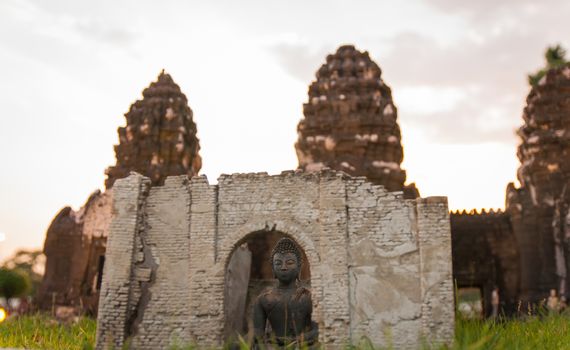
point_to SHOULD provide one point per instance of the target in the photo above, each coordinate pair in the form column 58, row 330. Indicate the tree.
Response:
column 555, row 57
column 13, row 283
column 29, row 262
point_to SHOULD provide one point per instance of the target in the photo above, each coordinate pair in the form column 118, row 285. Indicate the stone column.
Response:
column 206, row 273
column 434, row 236
column 114, row 301
column 334, row 265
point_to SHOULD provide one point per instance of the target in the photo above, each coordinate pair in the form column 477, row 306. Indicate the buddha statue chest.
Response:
column 288, row 310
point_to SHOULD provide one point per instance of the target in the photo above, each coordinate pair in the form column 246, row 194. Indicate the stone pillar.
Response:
column 334, row 265
column 161, row 272
column 114, row 303
column 206, row 273
column 434, row 236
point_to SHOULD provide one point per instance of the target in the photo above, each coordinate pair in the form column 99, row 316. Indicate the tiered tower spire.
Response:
column 350, row 122
column 159, row 139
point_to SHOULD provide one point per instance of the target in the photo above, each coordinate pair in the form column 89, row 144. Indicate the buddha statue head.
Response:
column 286, row 261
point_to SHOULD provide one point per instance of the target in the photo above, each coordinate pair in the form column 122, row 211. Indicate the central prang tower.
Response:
column 351, row 124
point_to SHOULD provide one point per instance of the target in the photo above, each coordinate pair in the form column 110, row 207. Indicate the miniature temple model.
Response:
column 378, row 265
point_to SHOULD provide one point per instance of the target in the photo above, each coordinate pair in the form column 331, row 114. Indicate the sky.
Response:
column 71, row 69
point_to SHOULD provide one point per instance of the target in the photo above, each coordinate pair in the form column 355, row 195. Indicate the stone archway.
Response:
column 248, row 271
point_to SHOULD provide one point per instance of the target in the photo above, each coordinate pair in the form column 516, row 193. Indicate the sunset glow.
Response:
column 70, row 71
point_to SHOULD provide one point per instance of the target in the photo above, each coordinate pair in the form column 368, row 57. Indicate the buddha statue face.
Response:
column 286, row 261
column 285, row 267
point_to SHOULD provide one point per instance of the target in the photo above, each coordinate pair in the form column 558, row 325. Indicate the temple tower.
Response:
column 159, row 139
column 351, row 124
column 545, row 148
column 539, row 208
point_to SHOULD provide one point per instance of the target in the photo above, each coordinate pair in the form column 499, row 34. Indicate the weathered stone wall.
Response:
column 96, row 221
column 74, row 247
column 434, row 240
column 63, row 240
column 379, row 264
column 118, row 301
column 486, row 255
column 385, row 293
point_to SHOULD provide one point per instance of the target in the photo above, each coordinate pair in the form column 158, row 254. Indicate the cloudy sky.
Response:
column 71, row 69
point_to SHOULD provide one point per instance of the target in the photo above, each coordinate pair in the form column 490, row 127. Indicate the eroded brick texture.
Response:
column 540, row 207
column 379, row 264
column 159, row 139
column 351, row 124
column 75, row 250
column 119, row 299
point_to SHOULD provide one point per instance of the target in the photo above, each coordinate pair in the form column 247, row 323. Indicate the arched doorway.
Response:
column 248, row 272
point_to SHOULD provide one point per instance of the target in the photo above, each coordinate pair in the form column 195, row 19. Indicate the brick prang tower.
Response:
column 159, row 139
column 539, row 209
column 351, row 124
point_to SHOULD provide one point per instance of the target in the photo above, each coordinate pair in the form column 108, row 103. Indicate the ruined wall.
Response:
column 351, row 124
column 74, row 249
column 486, row 255
column 122, row 275
column 388, row 252
column 63, row 238
column 169, row 248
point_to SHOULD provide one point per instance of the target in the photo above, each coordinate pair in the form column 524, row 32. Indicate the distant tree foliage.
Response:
column 30, row 263
column 555, row 57
column 13, row 283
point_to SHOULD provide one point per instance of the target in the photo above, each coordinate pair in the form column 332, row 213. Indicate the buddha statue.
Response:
column 288, row 306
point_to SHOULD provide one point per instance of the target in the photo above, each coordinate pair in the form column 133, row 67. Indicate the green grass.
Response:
column 546, row 332
column 42, row 332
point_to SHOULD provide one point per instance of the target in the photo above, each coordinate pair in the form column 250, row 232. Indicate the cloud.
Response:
column 486, row 68
column 498, row 62
column 491, row 11
column 105, row 32
column 490, row 72
column 469, row 121
column 300, row 60
column 453, row 94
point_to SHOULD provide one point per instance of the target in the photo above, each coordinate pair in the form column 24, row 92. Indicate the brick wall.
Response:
column 380, row 265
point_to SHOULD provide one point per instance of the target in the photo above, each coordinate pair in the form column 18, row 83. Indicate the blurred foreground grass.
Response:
column 43, row 332
column 546, row 332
